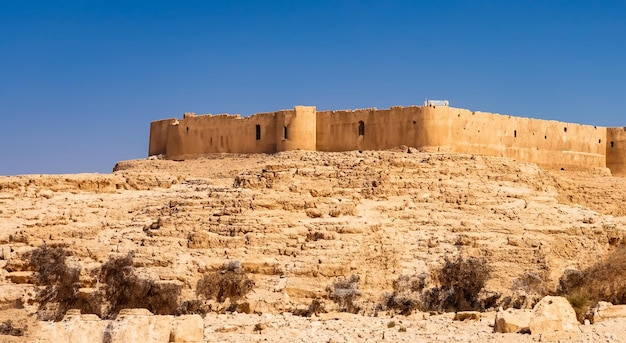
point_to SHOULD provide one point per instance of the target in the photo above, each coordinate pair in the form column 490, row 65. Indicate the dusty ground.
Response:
column 299, row 221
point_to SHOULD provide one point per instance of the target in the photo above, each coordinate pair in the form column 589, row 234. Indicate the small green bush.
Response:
column 581, row 304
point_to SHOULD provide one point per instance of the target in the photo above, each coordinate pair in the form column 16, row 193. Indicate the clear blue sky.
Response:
column 80, row 81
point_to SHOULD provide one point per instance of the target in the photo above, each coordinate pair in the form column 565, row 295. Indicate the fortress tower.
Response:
column 296, row 129
column 616, row 150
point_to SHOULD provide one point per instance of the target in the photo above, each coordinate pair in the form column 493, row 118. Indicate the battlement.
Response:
column 434, row 127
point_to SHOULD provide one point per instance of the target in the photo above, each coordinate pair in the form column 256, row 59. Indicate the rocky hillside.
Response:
column 308, row 230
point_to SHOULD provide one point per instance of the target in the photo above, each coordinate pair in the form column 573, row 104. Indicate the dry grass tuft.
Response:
column 604, row 281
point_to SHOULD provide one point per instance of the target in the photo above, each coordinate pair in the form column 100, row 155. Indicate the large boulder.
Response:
column 512, row 321
column 74, row 328
column 131, row 325
column 605, row 310
column 139, row 325
column 553, row 314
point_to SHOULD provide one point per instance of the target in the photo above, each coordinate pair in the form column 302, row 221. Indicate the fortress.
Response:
column 432, row 127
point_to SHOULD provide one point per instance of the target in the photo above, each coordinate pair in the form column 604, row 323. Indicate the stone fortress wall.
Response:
column 550, row 144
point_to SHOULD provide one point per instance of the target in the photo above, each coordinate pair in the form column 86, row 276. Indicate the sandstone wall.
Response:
column 195, row 136
column 616, row 151
column 371, row 129
column 158, row 136
column 551, row 144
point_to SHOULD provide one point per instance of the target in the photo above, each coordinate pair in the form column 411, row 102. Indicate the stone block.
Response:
column 605, row 310
column 553, row 314
column 512, row 321
column 139, row 325
column 21, row 277
column 467, row 315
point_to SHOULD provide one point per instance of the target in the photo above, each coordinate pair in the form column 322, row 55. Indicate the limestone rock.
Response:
column 21, row 277
column 400, row 215
column 188, row 329
column 227, row 328
column 605, row 310
column 336, row 316
column 561, row 336
column 73, row 329
column 132, row 312
column 553, row 314
column 512, row 321
column 131, row 325
column 246, row 307
column 467, row 315
column 11, row 296
column 138, row 325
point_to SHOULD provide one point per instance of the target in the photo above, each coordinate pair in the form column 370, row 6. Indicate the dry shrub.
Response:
column 316, row 307
column 527, row 290
column 455, row 287
column 460, row 282
column 344, row 293
column 604, row 281
column 195, row 306
column 570, row 280
column 407, row 294
column 228, row 283
column 125, row 288
column 7, row 328
column 530, row 283
column 58, row 282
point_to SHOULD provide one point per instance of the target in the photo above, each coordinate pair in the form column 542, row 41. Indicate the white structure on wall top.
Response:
column 436, row 103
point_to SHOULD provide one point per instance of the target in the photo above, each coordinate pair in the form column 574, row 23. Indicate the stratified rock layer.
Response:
column 296, row 222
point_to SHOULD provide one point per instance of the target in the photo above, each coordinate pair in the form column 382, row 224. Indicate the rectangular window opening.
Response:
column 285, row 136
column 258, row 132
